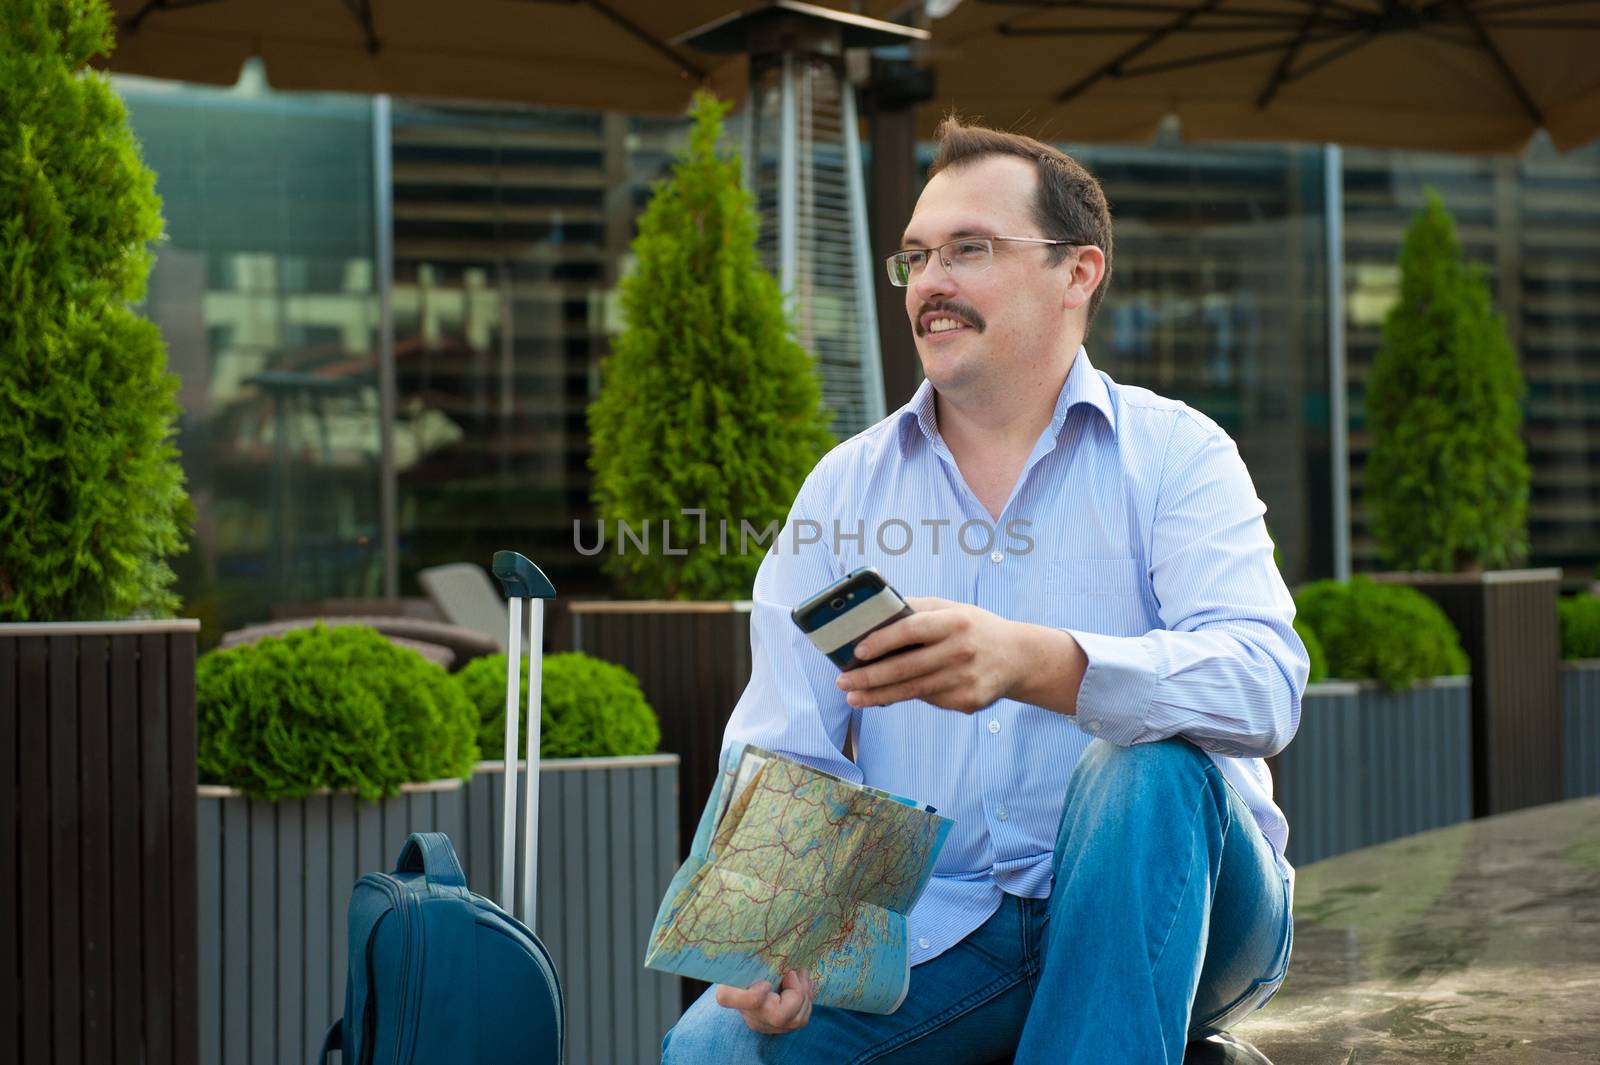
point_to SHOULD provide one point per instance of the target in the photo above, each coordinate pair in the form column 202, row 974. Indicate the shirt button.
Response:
column 1094, row 726
column 923, row 943
column 1002, row 813
column 994, row 727
column 997, row 556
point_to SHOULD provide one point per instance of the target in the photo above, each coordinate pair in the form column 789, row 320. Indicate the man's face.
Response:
column 1004, row 317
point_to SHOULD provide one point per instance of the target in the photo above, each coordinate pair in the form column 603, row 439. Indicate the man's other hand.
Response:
column 968, row 658
column 772, row 1012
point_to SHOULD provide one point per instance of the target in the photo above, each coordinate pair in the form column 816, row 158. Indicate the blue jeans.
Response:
column 1168, row 919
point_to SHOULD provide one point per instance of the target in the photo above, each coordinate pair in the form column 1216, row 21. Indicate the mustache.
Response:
column 953, row 309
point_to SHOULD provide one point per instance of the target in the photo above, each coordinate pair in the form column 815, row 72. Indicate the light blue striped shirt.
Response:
column 1135, row 527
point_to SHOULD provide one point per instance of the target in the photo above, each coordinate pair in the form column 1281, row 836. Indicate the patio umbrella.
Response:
column 1461, row 75
column 604, row 54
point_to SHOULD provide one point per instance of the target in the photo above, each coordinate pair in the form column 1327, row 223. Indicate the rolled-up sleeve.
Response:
column 1226, row 670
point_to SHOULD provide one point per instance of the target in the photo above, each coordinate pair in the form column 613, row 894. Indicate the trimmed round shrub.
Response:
column 338, row 708
column 1384, row 632
column 1580, row 627
column 1319, row 660
column 587, row 708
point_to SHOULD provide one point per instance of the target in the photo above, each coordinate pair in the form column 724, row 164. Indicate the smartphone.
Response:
column 840, row 616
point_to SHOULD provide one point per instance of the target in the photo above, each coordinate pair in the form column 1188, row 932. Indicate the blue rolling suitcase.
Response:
column 435, row 972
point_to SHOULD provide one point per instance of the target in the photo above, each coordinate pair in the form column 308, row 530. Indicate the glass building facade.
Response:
column 511, row 227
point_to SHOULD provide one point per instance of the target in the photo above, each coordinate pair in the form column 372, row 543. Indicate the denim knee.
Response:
column 1106, row 765
column 706, row 1033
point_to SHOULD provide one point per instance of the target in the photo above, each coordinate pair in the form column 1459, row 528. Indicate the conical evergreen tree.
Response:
column 707, row 402
column 1447, row 479
column 91, row 495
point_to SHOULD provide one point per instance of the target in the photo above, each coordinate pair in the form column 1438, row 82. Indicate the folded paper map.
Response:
column 792, row 868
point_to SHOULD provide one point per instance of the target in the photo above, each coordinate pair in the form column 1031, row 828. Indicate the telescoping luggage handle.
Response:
column 521, row 579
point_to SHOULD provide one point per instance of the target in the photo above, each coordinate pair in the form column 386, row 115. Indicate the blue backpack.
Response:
column 439, row 974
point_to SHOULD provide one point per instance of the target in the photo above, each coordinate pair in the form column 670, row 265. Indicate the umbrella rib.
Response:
column 1542, row 24
column 1114, row 66
column 362, row 10
column 1007, row 29
column 1213, row 57
column 1438, row 33
column 131, row 23
column 1526, row 5
column 1133, row 5
column 1499, row 61
column 1289, row 56
column 646, row 37
column 1331, row 55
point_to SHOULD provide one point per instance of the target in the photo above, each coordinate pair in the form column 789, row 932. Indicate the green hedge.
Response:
column 588, row 708
column 1580, row 627
column 1319, row 659
column 338, row 708
column 1383, row 632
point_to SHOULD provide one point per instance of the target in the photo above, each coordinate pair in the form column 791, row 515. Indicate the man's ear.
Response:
column 1088, row 268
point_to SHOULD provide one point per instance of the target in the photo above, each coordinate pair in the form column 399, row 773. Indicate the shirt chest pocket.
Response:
column 1104, row 595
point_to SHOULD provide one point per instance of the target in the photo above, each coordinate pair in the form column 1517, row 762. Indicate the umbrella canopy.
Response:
column 604, row 54
column 1460, row 75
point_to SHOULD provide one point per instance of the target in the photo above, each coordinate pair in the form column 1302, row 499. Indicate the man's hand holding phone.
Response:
column 967, row 658
column 891, row 648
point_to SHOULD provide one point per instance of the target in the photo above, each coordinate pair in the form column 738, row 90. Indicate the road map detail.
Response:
column 797, row 869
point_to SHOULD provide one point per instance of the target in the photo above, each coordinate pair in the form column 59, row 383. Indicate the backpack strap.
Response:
column 430, row 854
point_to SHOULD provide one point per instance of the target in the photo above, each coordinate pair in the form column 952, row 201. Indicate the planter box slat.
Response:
column 573, row 884
column 156, row 866
column 208, row 823
column 234, row 992
column 262, row 925
column 127, row 850
column 321, row 985
column 10, row 880
column 601, row 899
column 97, row 871
column 623, row 915
column 33, row 751
column 66, row 885
column 182, row 774
column 290, row 865
column 344, row 872
column 1580, row 729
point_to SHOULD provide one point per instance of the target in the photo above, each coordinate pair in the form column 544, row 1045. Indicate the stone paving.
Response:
column 1476, row 943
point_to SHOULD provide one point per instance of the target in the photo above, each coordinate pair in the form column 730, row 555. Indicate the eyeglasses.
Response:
column 968, row 255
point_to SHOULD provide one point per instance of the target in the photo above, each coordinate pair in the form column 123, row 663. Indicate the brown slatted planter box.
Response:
column 97, row 778
column 1508, row 625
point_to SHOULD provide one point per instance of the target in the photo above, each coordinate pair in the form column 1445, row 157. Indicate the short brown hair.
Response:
column 1070, row 204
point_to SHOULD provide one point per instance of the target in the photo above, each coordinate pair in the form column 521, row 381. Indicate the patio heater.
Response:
column 802, row 157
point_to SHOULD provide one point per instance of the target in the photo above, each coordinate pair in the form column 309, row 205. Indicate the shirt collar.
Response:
column 1084, row 385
